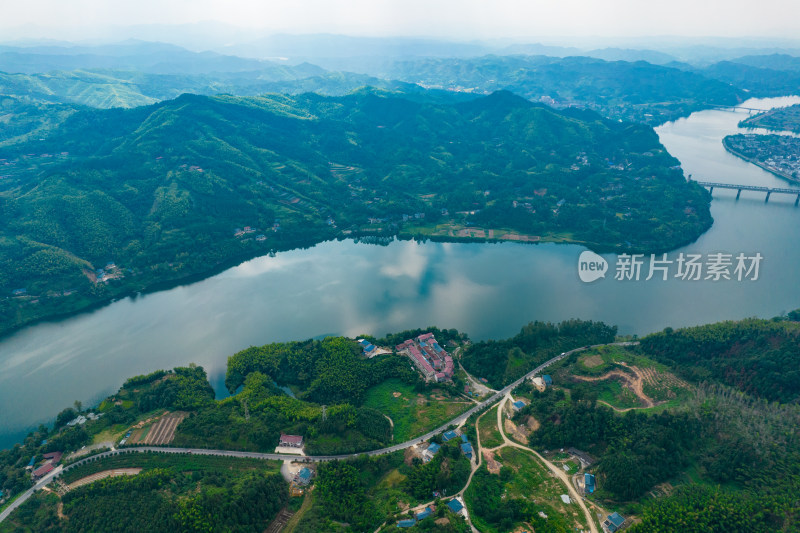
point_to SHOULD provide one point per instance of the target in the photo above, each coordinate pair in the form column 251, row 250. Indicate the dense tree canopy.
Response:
column 755, row 356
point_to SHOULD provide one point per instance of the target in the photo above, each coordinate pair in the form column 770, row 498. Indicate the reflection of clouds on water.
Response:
column 262, row 265
column 410, row 262
column 486, row 290
column 455, row 300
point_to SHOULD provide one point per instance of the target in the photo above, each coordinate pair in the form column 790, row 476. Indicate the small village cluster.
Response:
column 429, row 357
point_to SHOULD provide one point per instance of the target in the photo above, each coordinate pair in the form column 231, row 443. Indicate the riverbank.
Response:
column 758, row 163
column 18, row 313
column 346, row 288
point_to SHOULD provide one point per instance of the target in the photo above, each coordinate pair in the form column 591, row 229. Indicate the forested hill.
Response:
column 183, row 186
column 634, row 91
column 755, row 356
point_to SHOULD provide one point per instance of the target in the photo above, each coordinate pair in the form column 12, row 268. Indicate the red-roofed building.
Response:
column 43, row 470
column 293, row 441
column 429, row 357
column 54, row 457
column 419, row 360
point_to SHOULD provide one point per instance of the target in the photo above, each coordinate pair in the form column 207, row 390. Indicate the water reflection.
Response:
column 488, row 290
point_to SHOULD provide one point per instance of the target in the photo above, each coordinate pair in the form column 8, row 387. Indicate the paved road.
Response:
column 309, row 458
column 28, row 493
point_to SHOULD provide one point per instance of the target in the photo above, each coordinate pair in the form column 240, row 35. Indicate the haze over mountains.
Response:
column 631, row 84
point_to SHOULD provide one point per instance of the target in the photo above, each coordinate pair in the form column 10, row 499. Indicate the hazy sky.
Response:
column 461, row 19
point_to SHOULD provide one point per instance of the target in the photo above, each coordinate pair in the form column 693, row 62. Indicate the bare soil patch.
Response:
column 410, row 454
column 592, row 361
column 517, row 432
column 104, row 474
column 492, row 464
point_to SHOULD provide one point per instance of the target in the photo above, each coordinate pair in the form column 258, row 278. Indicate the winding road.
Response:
column 499, row 395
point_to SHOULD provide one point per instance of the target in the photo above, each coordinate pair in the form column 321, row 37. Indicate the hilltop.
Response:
column 117, row 200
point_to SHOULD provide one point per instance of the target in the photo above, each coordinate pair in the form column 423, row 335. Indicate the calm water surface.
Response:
column 487, row 290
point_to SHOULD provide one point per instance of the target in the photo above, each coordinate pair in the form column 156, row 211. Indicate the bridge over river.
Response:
column 739, row 188
column 750, row 110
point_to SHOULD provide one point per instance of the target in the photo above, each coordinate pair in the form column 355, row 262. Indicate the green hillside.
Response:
column 635, row 91
column 188, row 186
column 105, row 89
column 701, row 456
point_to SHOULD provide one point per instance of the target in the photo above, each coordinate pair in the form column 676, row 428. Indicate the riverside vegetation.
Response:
column 722, row 434
column 116, row 201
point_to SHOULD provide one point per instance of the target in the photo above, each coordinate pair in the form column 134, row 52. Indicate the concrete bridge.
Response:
column 740, row 188
column 736, row 107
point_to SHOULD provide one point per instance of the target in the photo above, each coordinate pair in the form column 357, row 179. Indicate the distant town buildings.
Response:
column 778, row 153
column 429, row 357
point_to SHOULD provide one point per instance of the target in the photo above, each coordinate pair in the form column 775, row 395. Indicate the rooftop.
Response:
column 589, row 482
column 291, row 438
column 44, row 469
column 455, row 505
column 425, row 513
column 616, row 519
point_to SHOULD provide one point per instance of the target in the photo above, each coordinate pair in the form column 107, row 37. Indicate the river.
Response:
column 486, row 290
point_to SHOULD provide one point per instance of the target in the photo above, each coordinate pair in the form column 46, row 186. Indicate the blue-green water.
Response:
column 487, row 290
